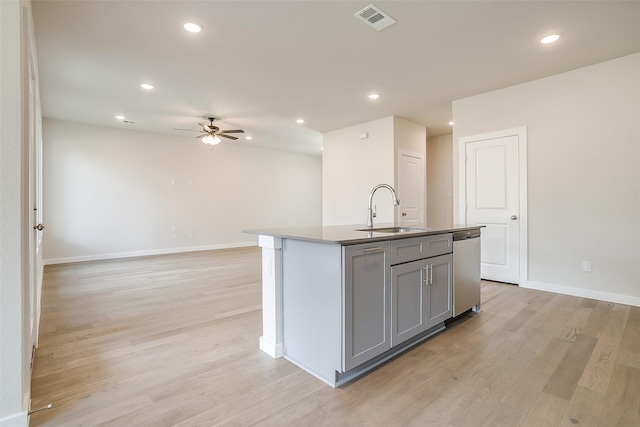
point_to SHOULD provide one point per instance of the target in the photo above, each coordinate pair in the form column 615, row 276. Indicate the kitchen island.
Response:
column 340, row 300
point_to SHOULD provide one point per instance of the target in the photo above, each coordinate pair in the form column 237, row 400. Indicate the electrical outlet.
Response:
column 586, row 266
column 173, row 228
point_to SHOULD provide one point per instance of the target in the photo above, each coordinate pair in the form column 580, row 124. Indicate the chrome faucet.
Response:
column 371, row 214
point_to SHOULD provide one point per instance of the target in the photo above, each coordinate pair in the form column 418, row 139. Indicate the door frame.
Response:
column 521, row 133
column 32, row 138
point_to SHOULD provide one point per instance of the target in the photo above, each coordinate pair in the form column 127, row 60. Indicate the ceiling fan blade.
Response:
column 188, row 130
column 227, row 136
column 202, row 136
column 233, row 131
column 205, row 128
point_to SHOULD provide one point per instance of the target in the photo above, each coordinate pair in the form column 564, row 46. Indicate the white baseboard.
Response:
column 99, row 257
column 584, row 293
column 272, row 349
column 20, row 419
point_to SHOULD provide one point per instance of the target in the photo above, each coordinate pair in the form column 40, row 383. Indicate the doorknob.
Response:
column 513, row 217
column 38, row 227
column 404, row 214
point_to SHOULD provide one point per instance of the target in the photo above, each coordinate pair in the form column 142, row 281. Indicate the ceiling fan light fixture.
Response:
column 211, row 140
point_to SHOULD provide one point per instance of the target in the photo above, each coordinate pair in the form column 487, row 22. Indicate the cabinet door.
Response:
column 439, row 298
column 367, row 302
column 408, row 293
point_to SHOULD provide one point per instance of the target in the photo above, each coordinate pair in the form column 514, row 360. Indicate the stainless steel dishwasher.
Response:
column 466, row 271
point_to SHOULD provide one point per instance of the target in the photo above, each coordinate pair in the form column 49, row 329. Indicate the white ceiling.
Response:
column 260, row 65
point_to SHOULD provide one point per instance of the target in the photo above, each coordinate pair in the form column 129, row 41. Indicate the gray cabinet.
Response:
column 421, row 288
column 367, row 302
column 439, row 289
column 384, row 304
column 408, row 293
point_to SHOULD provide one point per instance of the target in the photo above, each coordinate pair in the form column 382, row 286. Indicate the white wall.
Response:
column 351, row 167
column 15, row 345
column 583, row 133
column 110, row 192
column 409, row 136
column 440, row 179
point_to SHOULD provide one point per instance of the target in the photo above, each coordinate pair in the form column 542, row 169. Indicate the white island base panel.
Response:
column 271, row 339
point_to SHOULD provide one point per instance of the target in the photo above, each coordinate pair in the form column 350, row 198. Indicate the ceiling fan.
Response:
column 211, row 134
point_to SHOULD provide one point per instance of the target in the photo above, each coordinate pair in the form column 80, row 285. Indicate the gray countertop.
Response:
column 351, row 234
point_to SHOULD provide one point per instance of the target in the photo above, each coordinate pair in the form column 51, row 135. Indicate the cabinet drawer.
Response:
column 405, row 250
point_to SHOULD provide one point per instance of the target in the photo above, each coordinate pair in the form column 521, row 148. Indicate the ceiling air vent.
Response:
column 375, row 17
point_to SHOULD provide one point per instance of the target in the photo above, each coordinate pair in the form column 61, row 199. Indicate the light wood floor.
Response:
column 173, row 341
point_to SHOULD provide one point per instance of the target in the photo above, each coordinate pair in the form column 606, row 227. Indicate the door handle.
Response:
column 514, row 217
column 428, row 274
column 38, row 227
column 404, row 214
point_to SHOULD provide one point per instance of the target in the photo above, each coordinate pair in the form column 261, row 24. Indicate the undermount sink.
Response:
column 392, row 229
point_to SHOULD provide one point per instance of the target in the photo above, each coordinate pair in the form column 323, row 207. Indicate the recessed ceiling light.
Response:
column 192, row 27
column 248, row 137
column 451, row 123
column 550, row 38
column 146, row 86
column 300, row 121
column 374, row 96
column 120, row 117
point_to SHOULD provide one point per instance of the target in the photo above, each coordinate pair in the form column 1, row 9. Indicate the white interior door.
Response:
column 411, row 185
column 492, row 199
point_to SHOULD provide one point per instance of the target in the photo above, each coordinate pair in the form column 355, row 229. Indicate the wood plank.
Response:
column 629, row 354
column 622, row 404
column 565, row 378
column 588, row 399
column 547, row 410
column 526, row 390
column 584, row 408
